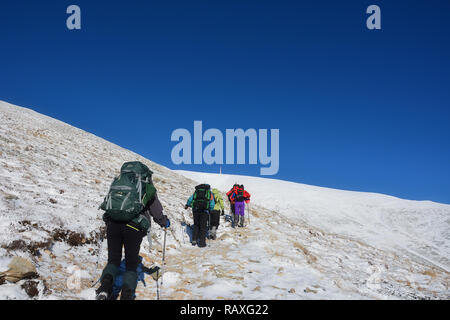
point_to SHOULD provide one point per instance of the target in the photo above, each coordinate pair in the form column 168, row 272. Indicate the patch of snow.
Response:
column 10, row 291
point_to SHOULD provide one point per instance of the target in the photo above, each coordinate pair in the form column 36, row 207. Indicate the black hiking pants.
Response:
column 120, row 235
column 200, row 227
column 215, row 219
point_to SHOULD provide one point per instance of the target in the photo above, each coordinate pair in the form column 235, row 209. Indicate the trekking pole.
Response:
column 149, row 238
column 163, row 263
column 100, row 247
column 249, row 213
column 157, row 284
column 99, row 250
column 209, row 229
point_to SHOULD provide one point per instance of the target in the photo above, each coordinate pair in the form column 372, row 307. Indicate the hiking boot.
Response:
column 235, row 220
column 129, row 285
column 127, row 293
column 213, row 233
column 194, row 243
column 241, row 221
column 104, row 292
column 202, row 245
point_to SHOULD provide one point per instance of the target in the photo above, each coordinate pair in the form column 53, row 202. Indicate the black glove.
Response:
column 186, row 206
column 223, row 212
column 106, row 218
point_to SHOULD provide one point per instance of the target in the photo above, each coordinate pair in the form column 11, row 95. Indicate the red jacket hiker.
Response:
column 230, row 193
column 238, row 198
column 239, row 194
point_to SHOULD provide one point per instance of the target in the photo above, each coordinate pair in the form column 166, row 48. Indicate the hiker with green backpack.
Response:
column 202, row 203
column 219, row 209
column 128, row 206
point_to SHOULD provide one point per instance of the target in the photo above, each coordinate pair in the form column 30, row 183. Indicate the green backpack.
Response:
column 202, row 197
column 129, row 192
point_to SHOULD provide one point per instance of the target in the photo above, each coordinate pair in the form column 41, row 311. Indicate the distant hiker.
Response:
column 130, row 202
column 229, row 194
column 240, row 197
column 215, row 214
column 202, row 203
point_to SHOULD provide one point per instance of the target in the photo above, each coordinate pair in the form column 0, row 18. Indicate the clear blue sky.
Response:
column 357, row 109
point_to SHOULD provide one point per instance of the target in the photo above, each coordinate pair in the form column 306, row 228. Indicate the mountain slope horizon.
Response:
column 305, row 242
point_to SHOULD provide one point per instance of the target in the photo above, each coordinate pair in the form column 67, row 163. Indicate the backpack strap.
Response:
column 109, row 202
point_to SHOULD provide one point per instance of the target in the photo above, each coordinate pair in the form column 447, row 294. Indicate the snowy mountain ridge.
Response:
column 421, row 227
column 303, row 242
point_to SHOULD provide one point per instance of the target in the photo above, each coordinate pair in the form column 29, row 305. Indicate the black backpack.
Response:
column 240, row 195
column 202, row 197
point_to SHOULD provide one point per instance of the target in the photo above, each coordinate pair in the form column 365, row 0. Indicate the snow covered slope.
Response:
column 310, row 243
column 420, row 227
column 52, row 179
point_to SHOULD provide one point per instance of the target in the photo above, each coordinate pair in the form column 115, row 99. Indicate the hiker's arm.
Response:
column 189, row 202
column 156, row 211
column 221, row 205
